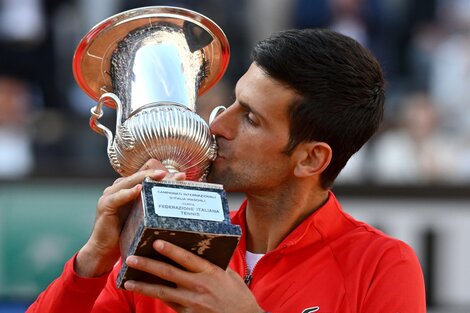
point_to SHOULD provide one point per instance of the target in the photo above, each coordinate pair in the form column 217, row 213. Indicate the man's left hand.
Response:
column 202, row 288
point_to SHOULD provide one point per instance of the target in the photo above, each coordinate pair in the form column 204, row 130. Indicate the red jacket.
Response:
column 329, row 263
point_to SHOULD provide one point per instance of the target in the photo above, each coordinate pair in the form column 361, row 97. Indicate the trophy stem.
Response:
column 170, row 168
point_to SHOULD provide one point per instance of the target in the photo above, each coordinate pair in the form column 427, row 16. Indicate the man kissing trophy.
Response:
column 150, row 64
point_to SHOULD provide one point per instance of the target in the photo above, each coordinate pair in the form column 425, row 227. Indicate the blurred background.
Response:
column 412, row 180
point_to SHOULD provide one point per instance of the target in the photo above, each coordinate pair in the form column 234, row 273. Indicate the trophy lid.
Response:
column 92, row 59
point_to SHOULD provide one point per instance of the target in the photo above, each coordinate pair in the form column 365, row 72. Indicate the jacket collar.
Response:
column 325, row 224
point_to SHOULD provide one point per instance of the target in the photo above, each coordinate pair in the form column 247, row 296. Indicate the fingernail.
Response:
column 129, row 285
column 158, row 245
column 180, row 176
column 131, row 260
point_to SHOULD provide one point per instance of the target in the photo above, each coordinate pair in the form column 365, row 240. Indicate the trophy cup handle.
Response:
column 97, row 113
column 215, row 112
column 111, row 100
column 212, row 152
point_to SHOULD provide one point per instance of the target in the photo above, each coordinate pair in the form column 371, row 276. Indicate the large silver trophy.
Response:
column 150, row 64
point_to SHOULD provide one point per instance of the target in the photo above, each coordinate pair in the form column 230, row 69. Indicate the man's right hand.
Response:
column 101, row 251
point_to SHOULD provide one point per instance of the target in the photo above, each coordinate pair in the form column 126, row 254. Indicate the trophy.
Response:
column 150, row 64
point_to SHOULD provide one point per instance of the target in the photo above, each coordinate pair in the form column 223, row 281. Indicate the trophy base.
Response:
column 191, row 215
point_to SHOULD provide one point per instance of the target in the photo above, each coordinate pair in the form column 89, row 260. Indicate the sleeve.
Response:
column 74, row 294
column 397, row 284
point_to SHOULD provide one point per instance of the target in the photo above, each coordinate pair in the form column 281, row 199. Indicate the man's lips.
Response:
column 222, row 150
column 219, row 158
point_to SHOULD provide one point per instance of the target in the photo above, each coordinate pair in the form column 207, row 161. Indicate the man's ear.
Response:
column 312, row 158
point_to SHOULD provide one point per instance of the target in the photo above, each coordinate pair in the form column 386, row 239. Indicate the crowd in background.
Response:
column 423, row 46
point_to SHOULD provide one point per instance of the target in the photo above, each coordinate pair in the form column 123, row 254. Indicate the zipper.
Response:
column 249, row 276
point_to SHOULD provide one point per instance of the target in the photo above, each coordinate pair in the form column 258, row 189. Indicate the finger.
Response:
column 118, row 180
column 161, row 269
column 167, row 294
column 120, row 198
column 153, row 164
column 134, row 179
column 109, row 189
column 178, row 176
column 176, row 307
column 152, row 168
column 186, row 259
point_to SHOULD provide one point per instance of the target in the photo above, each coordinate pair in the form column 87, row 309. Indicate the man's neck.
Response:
column 270, row 218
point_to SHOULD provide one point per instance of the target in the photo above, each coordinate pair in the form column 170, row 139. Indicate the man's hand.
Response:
column 203, row 287
column 101, row 251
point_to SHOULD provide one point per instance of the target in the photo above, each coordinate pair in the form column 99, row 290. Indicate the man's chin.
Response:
column 216, row 176
column 212, row 177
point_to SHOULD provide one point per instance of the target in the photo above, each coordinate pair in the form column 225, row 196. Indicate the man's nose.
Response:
column 218, row 122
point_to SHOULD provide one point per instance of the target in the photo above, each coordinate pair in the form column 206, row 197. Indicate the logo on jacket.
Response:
column 311, row 310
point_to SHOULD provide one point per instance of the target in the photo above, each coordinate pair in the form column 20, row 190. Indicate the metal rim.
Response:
column 141, row 17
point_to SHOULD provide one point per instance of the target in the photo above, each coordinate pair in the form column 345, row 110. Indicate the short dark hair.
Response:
column 341, row 88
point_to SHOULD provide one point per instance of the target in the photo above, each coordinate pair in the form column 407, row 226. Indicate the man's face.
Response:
column 252, row 135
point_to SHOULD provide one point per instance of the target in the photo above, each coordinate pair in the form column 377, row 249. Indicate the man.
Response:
column 310, row 100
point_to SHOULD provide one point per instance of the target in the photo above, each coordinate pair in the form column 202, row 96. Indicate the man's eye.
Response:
column 249, row 119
